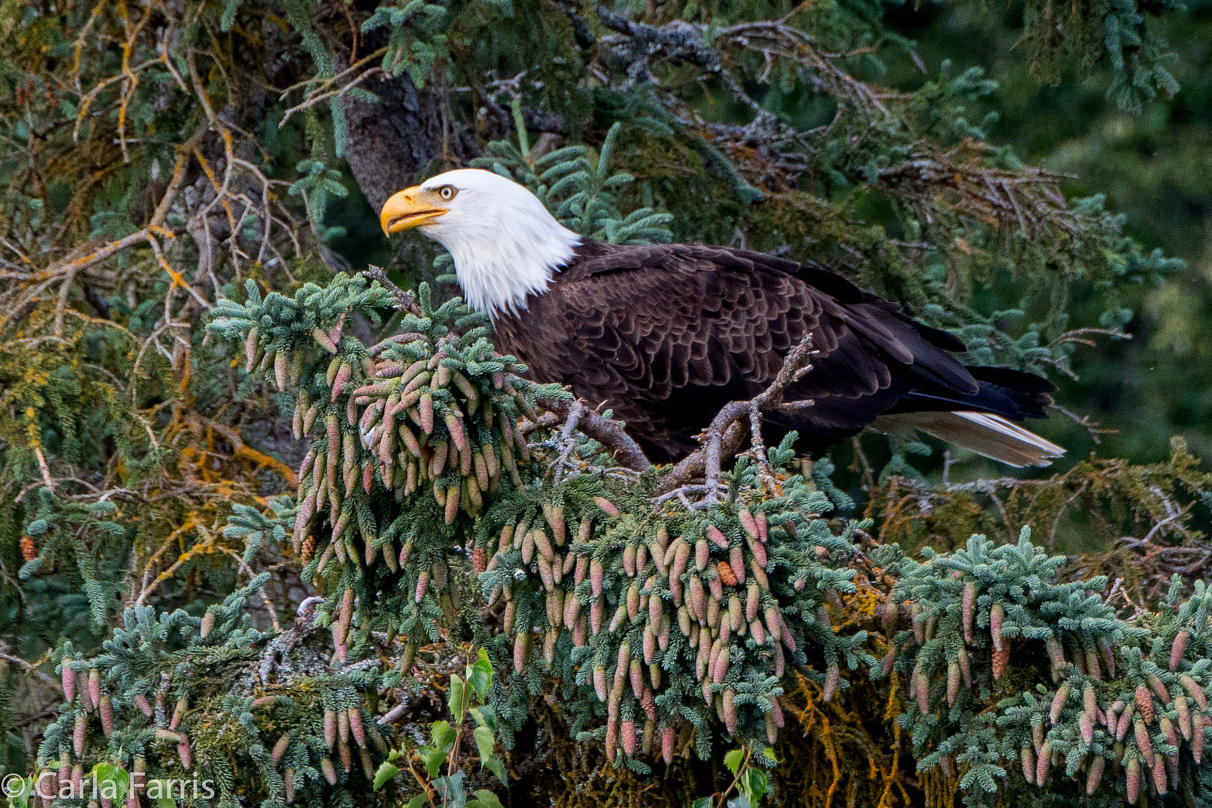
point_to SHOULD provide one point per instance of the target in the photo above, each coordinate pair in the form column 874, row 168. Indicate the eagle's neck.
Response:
column 501, row 267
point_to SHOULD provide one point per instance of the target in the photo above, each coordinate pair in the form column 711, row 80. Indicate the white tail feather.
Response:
column 988, row 435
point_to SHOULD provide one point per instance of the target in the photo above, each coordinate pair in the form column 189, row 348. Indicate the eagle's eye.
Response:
column 447, row 192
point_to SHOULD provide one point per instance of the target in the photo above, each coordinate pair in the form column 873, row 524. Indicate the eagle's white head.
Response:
column 504, row 242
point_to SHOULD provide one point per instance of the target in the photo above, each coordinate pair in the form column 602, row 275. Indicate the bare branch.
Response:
column 727, row 430
column 404, row 301
column 610, row 434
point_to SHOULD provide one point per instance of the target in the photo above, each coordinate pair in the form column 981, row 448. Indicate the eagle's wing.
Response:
column 667, row 335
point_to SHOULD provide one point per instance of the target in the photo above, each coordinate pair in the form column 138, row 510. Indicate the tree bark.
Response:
column 392, row 141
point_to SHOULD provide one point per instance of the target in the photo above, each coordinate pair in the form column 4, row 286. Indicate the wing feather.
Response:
column 666, row 335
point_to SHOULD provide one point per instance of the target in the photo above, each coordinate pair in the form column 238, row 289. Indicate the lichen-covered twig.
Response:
column 605, row 431
column 404, row 301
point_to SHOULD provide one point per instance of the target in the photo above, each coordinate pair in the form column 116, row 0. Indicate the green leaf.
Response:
column 112, row 781
column 494, row 765
column 386, row 772
column 486, row 799
column 417, row 801
column 485, row 740
column 479, row 675
column 455, row 700
column 443, row 735
column 485, row 717
column 162, row 792
column 734, row 759
column 701, row 802
column 18, row 792
column 451, row 790
column 769, row 754
column 432, row 759
column 753, row 784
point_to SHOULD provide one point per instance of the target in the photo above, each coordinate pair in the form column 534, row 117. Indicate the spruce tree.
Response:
column 273, row 515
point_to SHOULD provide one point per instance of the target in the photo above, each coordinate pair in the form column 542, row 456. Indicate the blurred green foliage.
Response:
column 1154, row 167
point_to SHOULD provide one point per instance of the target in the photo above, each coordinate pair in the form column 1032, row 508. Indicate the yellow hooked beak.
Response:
column 410, row 208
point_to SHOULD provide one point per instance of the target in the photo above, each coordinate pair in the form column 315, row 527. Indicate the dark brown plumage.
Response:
column 666, row 335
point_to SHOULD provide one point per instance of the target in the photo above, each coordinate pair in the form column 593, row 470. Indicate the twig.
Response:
column 321, row 92
column 739, row 770
column 567, row 441
column 405, row 301
column 269, row 604
column 726, row 432
column 392, row 715
column 605, row 431
column 1090, row 426
column 44, row 468
column 29, row 667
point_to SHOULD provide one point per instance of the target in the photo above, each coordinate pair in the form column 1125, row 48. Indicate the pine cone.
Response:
column 1042, row 763
column 1133, row 781
column 730, row 712
column 280, row 748
column 968, row 609
column 1160, row 690
column 1197, row 692
column 1159, row 776
column 79, row 734
column 1086, row 727
column 1001, row 658
column 736, row 559
column 106, row 708
column 1177, row 650
column 1184, row 716
column 832, row 681
column 521, row 647
column 997, row 616
column 1143, row 743
column 923, row 693
column 1058, row 703
column 627, row 736
column 1144, row 703
column 68, row 678
column 1095, row 776
column 668, row 738
column 726, row 574
column 185, row 753
column 330, row 728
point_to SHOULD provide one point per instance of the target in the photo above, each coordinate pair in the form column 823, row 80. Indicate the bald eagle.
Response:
column 668, row 334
